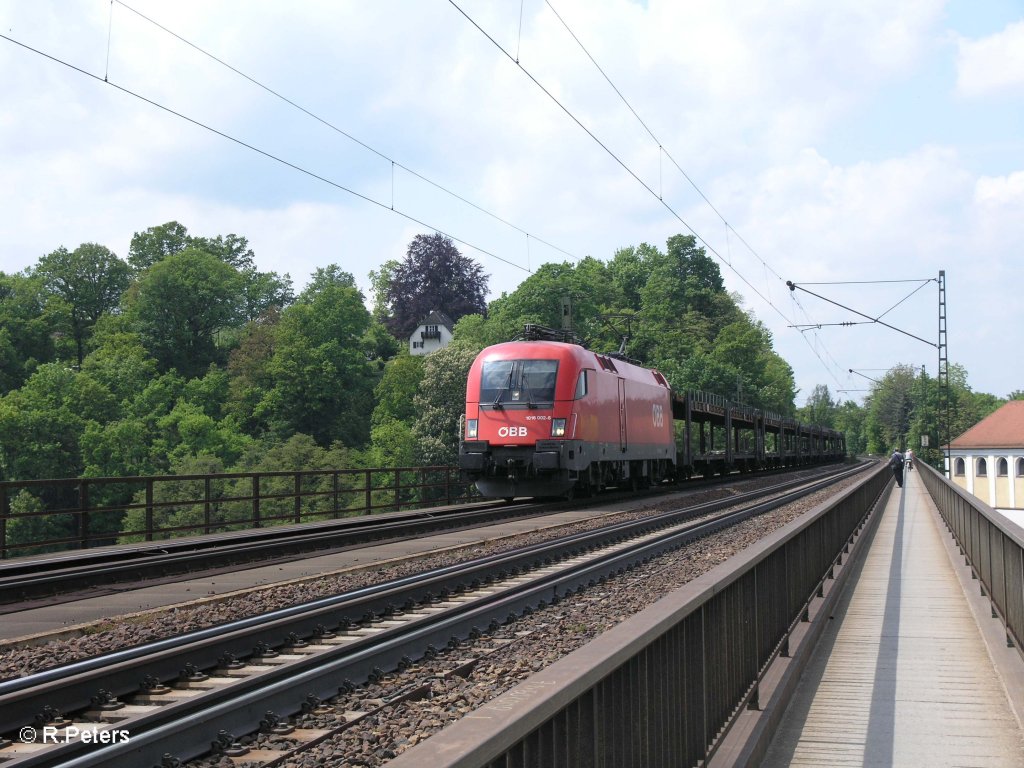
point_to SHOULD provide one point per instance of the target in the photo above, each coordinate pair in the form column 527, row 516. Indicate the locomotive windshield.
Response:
column 518, row 382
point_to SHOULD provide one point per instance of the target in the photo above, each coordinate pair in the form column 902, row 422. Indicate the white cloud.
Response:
column 745, row 95
column 991, row 64
column 1001, row 191
column 816, row 221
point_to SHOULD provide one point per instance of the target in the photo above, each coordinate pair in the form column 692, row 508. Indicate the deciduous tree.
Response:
column 321, row 382
column 156, row 244
column 440, row 402
column 43, row 422
column 26, row 328
column 181, row 304
column 90, row 280
column 433, row 275
column 819, row 409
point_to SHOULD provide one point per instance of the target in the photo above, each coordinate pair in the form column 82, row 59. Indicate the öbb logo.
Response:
column 511, row 431
column 658, row 415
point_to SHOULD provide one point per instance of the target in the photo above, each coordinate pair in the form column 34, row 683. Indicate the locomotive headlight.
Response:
column 558, row 427
column 471, row 428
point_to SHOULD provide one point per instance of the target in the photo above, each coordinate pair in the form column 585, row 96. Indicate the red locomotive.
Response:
column 546, row 418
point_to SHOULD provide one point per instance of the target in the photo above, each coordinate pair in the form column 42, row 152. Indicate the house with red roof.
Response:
column 988, row 460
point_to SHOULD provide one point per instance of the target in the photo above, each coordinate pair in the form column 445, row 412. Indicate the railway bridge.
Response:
column 907, row 655
column 881, row 627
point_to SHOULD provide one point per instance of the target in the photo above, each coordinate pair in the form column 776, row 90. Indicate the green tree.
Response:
column 392, row 441
column 186, row 432
column 321, row 380
column 263, row 292
column 172, row 517
column 90, row 280
column 820, row 409
column 119, row 448
column 231, row 249
column 156, row 244
column 302, row 453
column 43, row 422
column 182, row 303
column 968, row 407
column 209, row 392
column 119, row 361
column 397, row 388
column 739, row 363
column 27, row 326
column 380, row 282
column 440, row 402
column 891, row 407
column 538, row 299
column 850, row 420
column 26, row 525
column 249, row 374
column 629, row 271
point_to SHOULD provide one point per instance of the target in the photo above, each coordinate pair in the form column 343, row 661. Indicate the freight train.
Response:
column 548, row 417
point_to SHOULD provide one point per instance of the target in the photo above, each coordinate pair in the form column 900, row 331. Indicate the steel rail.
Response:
column 39, row 578
column 62, row 578
column 386, row 648
column 120, row 672
column 381, row 599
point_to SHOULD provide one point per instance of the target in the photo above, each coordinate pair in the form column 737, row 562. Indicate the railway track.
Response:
column 34, row 581
column 228, row 678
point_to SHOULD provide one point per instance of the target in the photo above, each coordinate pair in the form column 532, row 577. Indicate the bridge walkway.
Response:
column 903, row 675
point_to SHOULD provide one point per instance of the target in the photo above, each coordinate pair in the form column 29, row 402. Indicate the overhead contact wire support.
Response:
column 259, row 151
column 336, row 129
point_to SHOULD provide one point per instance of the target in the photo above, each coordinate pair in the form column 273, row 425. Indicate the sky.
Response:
column 831, row 145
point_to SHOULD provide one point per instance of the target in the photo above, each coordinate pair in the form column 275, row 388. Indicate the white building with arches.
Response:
column 988, row 460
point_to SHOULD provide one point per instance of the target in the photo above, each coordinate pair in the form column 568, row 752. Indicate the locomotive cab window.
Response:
column 581, row 385
column 526, row 383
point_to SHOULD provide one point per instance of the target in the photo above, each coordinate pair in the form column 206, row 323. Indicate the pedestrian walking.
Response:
column 896, row 462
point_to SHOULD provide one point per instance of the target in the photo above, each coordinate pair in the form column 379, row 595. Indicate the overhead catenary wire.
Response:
column 661, row 146
column 615, row 157
column 393, row 163
column 259, row 151
column 664, row 152
column 793, row 286
column 309, row 113
column 647, row 187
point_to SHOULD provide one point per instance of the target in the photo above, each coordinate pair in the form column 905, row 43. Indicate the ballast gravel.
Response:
column 523, row 648
column 505, row 658
column 124, row 632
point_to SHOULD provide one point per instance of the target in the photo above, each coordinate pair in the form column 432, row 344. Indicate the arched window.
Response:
column 1001, row 467
column 982, row 468
column 1020, row 467
column 958, row 467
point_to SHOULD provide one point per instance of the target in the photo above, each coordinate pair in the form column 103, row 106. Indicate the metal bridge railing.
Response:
column 73, row 513
column 992, row 546
column 660, row 689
